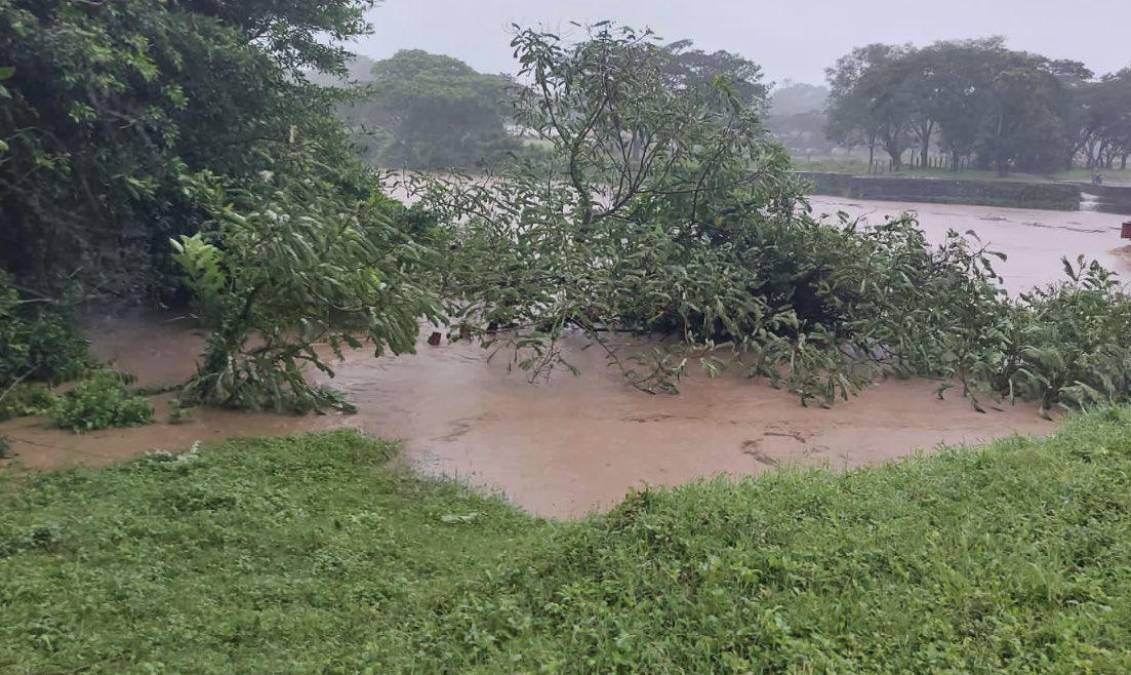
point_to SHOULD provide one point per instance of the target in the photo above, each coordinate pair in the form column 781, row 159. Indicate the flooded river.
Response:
column 577, row 444
column 1035, row 241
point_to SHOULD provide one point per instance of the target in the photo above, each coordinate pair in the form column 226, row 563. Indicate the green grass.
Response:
column 858, row 167
column 318, row 553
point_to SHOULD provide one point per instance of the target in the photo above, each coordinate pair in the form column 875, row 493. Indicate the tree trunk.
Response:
column 896, row 155
column 925, row 148
column 1098, row 163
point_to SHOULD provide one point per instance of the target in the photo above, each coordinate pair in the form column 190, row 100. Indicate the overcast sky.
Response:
column 791, row 39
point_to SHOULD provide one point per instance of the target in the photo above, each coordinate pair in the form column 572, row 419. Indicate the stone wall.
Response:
column 1054, row 196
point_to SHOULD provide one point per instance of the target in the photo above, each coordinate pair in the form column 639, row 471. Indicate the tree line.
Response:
column 417, row 110
column 979, row 104
column 970, row 103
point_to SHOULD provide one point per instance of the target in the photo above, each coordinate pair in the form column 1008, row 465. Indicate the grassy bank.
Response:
column 318, row 553
column 857, row 167
column 1053, row 196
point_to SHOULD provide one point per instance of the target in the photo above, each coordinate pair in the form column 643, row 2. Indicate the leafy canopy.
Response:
column 111, row 108
column 663, row 209
column 424, row 111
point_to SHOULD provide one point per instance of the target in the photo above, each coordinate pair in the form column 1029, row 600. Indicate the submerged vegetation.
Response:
column 317, row 553
column 287, row 266
column 658, row 204
column 663, row 207
column 101, row 401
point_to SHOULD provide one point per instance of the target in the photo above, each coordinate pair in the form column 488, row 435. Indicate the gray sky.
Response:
column 794, row 39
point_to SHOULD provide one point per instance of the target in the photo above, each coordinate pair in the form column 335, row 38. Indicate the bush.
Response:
column 36, row 340
column 293, row 264
column 101, row 402
column 1069, row 342
column 23, row 400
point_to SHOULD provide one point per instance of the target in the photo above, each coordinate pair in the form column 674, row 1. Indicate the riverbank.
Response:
column 1023, row 195
column 1112, row 177
column 321, row 552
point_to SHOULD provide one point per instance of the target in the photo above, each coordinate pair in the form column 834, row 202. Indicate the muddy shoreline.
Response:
column 559, row 448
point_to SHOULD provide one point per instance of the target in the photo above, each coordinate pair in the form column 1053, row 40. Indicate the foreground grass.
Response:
column 317, row 554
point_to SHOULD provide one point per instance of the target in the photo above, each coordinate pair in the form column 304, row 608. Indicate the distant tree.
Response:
column 870, row 102
column 1011, row 110
column 963, row 71
column 797, row 117
column 700, row 68
column 1025, row 127
column 1079, row 87
column 802, row 133
column 795, row 98
column 1108, row 127
column 1119, row 128
column 358, row 70
column 432, row 111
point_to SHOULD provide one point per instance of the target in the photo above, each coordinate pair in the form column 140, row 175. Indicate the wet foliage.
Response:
column 127, row 124
column 25, row 400
column 37, row 342
column 102, row 400
column 663, row 208
column 287, row 275
column 108, row 108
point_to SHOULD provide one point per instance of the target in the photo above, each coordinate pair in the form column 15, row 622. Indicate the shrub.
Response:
column 36, row 340
column 23, row 400
column 101, row 402
column 292, row 264
column 1071, row 341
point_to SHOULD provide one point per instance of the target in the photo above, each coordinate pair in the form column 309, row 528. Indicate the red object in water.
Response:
column 1127, row 230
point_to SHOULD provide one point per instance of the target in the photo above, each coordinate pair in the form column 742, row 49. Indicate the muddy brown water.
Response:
column 574, row 445
column 1035, row 241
